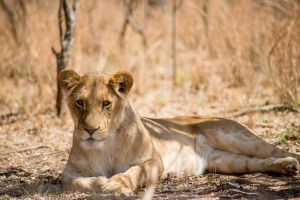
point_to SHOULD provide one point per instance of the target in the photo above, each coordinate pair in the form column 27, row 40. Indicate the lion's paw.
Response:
column 290, row 166
column 118, row 184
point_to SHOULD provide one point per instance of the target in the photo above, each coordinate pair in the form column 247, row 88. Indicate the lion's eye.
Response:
column 106, row 104
column 79, row 103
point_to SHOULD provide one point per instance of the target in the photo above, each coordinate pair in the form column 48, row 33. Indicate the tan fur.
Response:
column 115, row 150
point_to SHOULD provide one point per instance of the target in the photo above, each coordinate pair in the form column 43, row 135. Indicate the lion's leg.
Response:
column 230, row 163
column 146, row 173
column 241, row 140
column 85, row 184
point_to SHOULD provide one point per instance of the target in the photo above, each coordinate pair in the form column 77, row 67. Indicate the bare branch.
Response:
column 76, row 5
column 24, row 150
column 179, row 4
column 54, row 51
column 272, row 49
column 266, row 109
column 129, row 19
column 60, row 21
column 127, row 9
column 11, row 17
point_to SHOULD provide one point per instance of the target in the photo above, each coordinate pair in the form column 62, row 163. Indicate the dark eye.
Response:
column 106, row 103
column 79, row 103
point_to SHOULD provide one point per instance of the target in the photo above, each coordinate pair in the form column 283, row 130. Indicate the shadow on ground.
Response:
column 209, row 186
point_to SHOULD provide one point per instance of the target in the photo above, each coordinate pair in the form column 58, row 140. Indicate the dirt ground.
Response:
column 34, row 150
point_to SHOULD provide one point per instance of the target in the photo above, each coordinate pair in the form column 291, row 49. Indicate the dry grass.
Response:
column 247, row 53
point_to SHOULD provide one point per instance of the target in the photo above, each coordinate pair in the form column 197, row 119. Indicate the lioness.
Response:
column 115, row 150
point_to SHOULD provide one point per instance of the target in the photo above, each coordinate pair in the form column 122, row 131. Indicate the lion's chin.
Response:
column 92, row 144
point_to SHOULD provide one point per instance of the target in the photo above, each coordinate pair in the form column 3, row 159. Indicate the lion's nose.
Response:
column 90, row 131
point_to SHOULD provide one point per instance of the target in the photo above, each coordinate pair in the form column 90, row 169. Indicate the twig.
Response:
column 26, row 149
column 266, row 108
column 12, row 118
column 265, row 125
column 8, row 115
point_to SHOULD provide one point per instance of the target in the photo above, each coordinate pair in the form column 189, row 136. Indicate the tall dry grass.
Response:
column 246, row 46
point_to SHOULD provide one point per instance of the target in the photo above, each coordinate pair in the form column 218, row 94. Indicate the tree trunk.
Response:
column 66, row 40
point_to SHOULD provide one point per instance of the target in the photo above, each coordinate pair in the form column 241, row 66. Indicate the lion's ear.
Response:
column 68, row 79
column 121, row 83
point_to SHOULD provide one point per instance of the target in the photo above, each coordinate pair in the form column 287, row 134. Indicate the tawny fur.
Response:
column 115, row 150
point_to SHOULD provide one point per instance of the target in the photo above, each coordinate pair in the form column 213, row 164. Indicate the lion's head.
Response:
column 96, row 103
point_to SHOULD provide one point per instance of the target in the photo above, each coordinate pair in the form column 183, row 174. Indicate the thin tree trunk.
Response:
column 174, row 63
column 66, row 40
column 175, row 7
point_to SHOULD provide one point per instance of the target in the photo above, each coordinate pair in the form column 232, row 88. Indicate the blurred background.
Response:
column 229, row 54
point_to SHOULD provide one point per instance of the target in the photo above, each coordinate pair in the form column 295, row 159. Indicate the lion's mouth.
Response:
column 91, row 139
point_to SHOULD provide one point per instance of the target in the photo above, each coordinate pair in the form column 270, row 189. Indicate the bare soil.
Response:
column 34, row 150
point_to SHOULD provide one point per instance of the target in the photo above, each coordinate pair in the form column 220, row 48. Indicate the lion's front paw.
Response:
column 118, row 184
column 290, row 166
